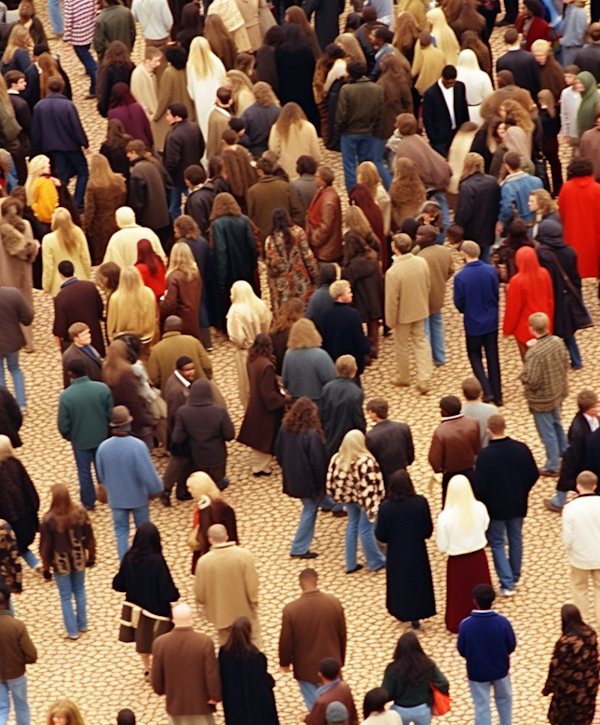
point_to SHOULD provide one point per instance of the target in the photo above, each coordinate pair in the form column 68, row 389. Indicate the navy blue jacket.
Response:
column 476, row 294
column 486, row 640
column 56, row 126
column 342, row 333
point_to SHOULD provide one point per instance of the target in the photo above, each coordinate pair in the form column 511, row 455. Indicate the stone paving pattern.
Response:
column 103, row 675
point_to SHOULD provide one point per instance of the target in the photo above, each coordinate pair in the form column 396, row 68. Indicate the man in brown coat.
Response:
column 407, row 287
column 439, row 261
column 455, row 443
column 333, row 689
column 185, row 669
column 313, row 627
column 324, row 219
column 270, row 193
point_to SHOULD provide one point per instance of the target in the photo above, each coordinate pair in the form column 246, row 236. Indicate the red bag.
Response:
column 441, row 702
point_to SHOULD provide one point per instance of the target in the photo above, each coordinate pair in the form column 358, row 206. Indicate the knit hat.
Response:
column 125, row 217
column 336, row 712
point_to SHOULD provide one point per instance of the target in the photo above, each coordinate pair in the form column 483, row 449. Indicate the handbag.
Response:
column 579, row 312
column 441, row 702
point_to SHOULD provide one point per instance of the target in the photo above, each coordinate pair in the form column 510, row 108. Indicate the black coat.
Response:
column 147, row 583
column 19, row 502
column 11, row 418
column 110, row 76
column 342, row 332
column 404, row 526
column 147, row 195
column 199, row 205
column 184, row 146
column 295, row 73
column 574, row 458
column 592, row 453
column 366, row 279
column 505, row 472
column 588, row 58
column 341, row 411
column 550, row 238
column 303, row 460
column 327, row 19
column 477, row 208
column 479, row 146
column 524, row 68
column 392, row 445
column 436, row 116
column 247, row 690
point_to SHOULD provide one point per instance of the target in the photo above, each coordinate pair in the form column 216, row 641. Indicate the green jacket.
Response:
column 84, row 412
column 114, row 23
column 359, row 108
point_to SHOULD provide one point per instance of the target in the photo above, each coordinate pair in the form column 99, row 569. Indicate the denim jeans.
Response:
column 573, row 349
column 69, row 164
column 434, row 330
column 12, row 362
column 141, row 516
column 88, row 62
column 356, row 148
column 440, row 197
column 83, row 460
column 490, row 381
column 480, row 692
column 30, row 558
column 56, row 17
column 550, row 430
column 377, row 158
column 486, row 253
column 359, row 526
column 418, row 715
column 309, row 693
column 560, row 498
column 507, row 568
column 72, row 586
column 175, row 201
column 306, row 527
column 18, row 689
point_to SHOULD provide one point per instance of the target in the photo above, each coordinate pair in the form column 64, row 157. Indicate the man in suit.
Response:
column 313, row 627
column 520, row 63
column 81, row 347
column 444, row 110
column 389, row 441
column 78, row 300
column 407, row 285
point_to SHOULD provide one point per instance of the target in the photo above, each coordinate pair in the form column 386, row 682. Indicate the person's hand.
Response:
column 532, row 342
column 90, row 563
column 213, row 702
column 499, row 227
column 287, row 668
column 55, row 181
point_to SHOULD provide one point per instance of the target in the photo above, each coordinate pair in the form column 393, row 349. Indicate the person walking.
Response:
column 68, row 547
column 404, row 524
column 486, row 640
column 14, row 312
column 505, row 473
column 389, row 441
column 341, row 404
column 342, row 327
column 312, row 626
column 84, row 414
column 66, row 242
column 80, row 27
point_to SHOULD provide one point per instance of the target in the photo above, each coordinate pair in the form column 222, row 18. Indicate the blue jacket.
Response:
column 124, row 466
column 476, row 294
column 486, row 640
column 305, row 372
column 514, row 195
column 56, row 126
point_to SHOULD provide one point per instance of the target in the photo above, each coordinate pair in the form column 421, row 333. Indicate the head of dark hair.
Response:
column 239, row 644
column 146, row 255
column 178, row 109
column 274, row 36
column 510, row 35
column 369, row 14
column 237, row 125
column 572, row 622
column 56, row 84
column 195, row 174
column 484, row 595
column 518, row 235
column 449, row 73
column 66, row 268
column 580, row 167
column 126, row 717
column 176, row 56
column 379, row 406
column 13, row 76
column 281, row 224
column 326, row 173
column 306, row 165
column 375, row 701
column 384, row 33
column 120, row 95
column 535, row 7
column 410, row 662
column 224, row 95
column 303, row 416
column 146, row 542
column 471, row 388
column 409, row 226
column 400, row 486
column 261, row 347
column 4, row 595
column 450, row 405
column 183, row 361
column 76, row 367
column 512, row 160
column 265, row 165
column 586, row 399
column 333, row 50
column 40, row 48
column 327, row 274
column 353, row 22
column 329, row 667
column 356, row 69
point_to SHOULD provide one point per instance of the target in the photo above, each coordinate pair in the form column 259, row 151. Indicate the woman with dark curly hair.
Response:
column 409, row 678
column 300, row 451
column 116, row 68
column 265, row 405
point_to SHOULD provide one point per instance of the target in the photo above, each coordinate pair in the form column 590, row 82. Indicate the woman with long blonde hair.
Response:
column 132, row 307
column 184, row 290
column 292, row 131
column 259, row 118
column 17, row 55
column 351, row 47
column 48, row 68
column 106, row 191
column 41, row 189
column 67, row 546
column 354, row 479
column 66, row 712
column 461, row 528
column 248, row 316
column 444, row 36
column 406, row 34
column 205, row 74
column 242, row 92
column 66, row 241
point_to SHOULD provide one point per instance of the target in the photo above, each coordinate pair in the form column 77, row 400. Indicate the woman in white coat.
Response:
column 205, row 73
column 477, row 83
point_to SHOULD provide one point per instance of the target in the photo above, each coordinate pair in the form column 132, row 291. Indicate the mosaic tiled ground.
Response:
column 103, row 675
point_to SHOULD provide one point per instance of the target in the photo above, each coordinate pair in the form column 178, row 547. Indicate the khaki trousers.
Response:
column 241, row 362
column 580, row 592
column 256, row 633
column 404, row 335
column 260, row 461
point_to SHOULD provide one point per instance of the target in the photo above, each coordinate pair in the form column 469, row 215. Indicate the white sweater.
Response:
column 581, row 531
column 453, row 540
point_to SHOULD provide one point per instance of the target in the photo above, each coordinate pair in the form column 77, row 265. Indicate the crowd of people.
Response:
column 152, row 248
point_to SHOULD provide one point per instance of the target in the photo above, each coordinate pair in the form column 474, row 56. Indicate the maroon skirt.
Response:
column 463, row 574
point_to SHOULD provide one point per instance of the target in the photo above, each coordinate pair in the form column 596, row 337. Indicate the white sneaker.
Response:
column 506, row 592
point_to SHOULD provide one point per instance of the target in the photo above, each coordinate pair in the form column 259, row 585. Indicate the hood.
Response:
column 201, row 393
column 589, row 83
column 467, row 60
column 550, row 232
column 125, row 217
column 526, row 260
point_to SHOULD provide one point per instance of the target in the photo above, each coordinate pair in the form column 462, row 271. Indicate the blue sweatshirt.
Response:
column 485, row 640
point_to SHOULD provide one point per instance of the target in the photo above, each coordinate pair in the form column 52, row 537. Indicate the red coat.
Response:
column 538, row 30
column 578, row 203
column 157, row 283
column 529, row 291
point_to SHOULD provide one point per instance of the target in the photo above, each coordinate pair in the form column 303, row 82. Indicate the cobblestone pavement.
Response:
column 103, row 675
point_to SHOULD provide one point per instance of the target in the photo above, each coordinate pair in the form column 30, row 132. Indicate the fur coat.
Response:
column 18, row 249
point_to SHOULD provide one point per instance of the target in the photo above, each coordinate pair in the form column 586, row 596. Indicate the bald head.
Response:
column 182, row 615
column 173, row 324
column 217, row 534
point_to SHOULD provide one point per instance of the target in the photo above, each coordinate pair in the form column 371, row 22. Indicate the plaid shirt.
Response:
column 544, row 375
